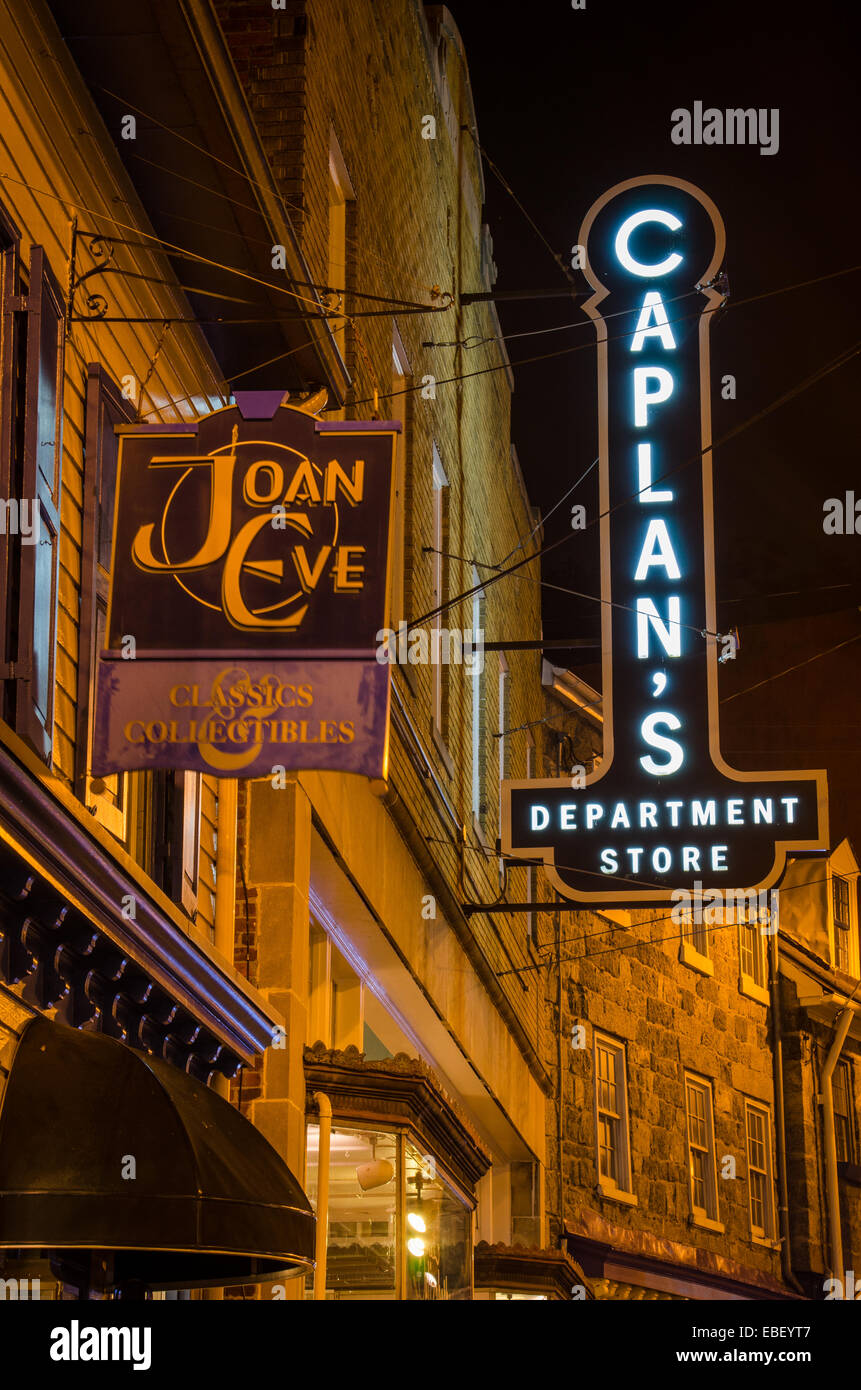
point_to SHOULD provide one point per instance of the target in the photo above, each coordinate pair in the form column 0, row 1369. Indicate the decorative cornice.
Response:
column 597, row 1243
column 140, row 977
column 398, row 1091
column 552, row 1272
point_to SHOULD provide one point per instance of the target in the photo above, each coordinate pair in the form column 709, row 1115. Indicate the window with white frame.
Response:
column 844, row 1128
column 399, row 587
column 845, row 952
column 340, row 193
column 751, row 950
column 701, row 1148
column 611, row 1116
column 695, row 945
column 440, row 493
column 759, row 1173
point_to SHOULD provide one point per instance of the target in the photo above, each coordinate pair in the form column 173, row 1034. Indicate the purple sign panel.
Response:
column 242, row 719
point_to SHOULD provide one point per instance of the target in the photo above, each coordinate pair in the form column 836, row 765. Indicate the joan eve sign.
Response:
column 249, row 578
column 663, row 811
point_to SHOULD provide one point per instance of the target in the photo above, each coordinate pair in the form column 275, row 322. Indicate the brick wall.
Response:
column 364, row 77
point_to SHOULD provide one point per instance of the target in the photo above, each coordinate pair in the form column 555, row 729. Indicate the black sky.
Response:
column 570, row 102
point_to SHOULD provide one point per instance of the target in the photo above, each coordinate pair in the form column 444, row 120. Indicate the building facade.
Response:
column 705, row 1119
column 296, row 206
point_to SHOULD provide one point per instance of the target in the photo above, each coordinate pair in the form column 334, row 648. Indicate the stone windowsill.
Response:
column 705, row 1223
column 615, row 1194
column 752, row 990
column 694, row 959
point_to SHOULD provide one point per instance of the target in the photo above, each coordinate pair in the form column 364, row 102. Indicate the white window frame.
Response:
column 440, row 482
column 849, row 933
column 752, row 949
column 340, row 194
column 192, row 793
column 695, row 945
column 707, row 1216
column 761, row 1234
column 621, row 1191
column 401, row 374
column 844, row 1069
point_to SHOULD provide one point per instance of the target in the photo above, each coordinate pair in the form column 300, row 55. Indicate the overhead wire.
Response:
column 729, row 303
column 819, row 374
column 552, row 907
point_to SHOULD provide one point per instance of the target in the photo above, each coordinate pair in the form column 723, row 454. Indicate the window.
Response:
column 340, row 193
column 611, row 1118
column 30, row 475
column 109, row 797
column 759, row 1180
column 701, row 1150
column 440, row 497
column 844, row 1129
column 399, row 593
column 397, row 1229
column 190, row 793
column 751, row 952
column 478, row 690
column 695, row 946
column 844, row 952
column 336, row 995
column 503, row 718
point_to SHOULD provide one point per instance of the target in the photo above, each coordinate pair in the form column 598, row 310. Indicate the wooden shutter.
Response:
column 43, row 415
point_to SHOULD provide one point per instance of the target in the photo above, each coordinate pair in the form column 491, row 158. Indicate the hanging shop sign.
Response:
column 663, row 811
column 249, row 577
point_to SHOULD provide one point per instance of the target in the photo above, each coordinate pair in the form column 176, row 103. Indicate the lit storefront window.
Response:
column 439, row 1248
column 396, row 1229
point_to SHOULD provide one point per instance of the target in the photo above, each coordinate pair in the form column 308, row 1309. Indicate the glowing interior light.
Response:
column 644, row 398
column 415, row 1221
column 430, row 1278
column 416, row 1247
column 623, row 255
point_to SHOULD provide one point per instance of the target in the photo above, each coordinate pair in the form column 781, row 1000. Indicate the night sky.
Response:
column 568, row 103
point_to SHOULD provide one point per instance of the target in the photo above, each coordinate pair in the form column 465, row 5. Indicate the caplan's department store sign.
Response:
column 664, row 810
column 249, row 577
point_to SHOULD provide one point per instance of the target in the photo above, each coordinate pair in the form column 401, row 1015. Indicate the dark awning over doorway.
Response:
column 210, row 1202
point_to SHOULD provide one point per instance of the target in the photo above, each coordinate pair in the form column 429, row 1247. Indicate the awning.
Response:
column 105, row 1149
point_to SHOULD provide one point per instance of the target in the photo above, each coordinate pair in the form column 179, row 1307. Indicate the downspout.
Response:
column 842, row 1024
column 324, row 1106
column 780, row 1120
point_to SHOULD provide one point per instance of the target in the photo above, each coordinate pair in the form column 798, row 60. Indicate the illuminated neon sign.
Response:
column 663, row 811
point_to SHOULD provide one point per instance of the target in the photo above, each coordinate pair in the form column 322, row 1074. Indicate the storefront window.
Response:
column 396, row 1229
column 438, row 1225
column 363, row 1209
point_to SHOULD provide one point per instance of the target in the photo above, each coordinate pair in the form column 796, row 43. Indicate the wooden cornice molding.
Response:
column 140, row 977
column 398, row 1092
column 527, row 1268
